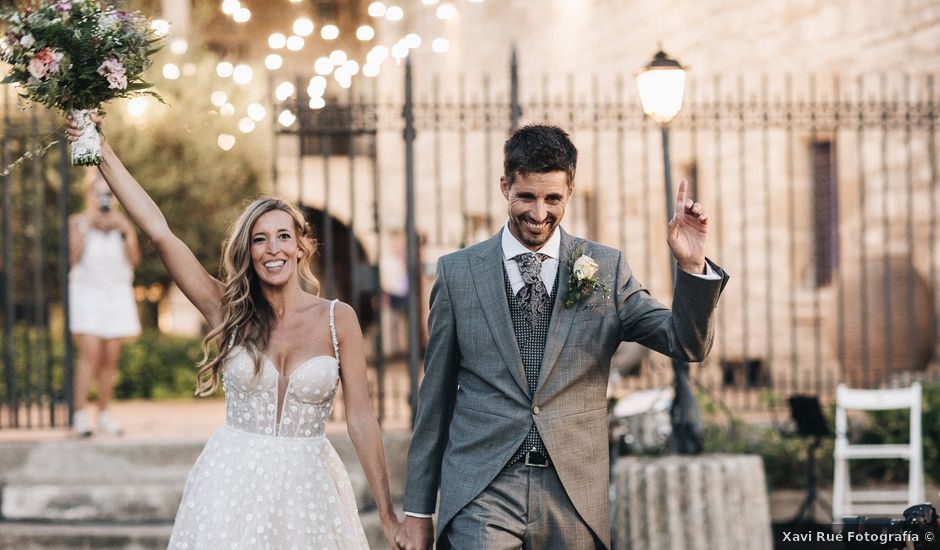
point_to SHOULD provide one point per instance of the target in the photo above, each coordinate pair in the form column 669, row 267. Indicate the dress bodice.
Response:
column 251, row 400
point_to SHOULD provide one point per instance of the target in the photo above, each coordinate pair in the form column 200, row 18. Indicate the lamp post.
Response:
column 662, row 86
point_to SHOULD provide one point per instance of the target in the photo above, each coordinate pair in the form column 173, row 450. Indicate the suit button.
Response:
column 536, row 410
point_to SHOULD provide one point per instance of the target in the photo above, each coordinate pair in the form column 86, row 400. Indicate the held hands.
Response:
column 73, row 132
column 390, row 527
column 687, row 230
column 415, row 534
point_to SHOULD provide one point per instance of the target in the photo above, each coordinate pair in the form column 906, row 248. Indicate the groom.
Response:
column 512, row 414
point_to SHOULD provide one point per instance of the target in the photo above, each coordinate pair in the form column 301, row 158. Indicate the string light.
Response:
column 323, row 66
column 338, row 57
column 243, row 15
column 317, row 103
column 329, row 32
column 218, row 98
column 394, row 13
column 400, row 50
column 242, row 74
column 351, row 67
column 226, row 142
column 273, row 62
column 179, row 46
column 224, row 69
column 283, row 91
column 277, row 41
column 370, row 70
column 227, row 110
column 246, row 125
column 171, row 71
column 377, row 55
column 286, row 118
column 229, row 7
column 446, row 11
column 295, row 43
column 377, row 9
column 365, row 32
column 137, row 106
column 303, row 27
column 412, row 40
column 317, row 86
column 256, row 112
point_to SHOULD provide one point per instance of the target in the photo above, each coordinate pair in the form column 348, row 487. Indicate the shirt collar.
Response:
column 512, row 247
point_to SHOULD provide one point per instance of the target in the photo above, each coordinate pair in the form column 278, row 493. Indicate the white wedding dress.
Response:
column 263, row 485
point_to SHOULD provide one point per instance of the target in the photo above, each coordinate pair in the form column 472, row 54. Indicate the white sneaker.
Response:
column 107, row 425
column 81, row 424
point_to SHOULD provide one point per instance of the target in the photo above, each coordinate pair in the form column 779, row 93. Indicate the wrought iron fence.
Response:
column 37, row 353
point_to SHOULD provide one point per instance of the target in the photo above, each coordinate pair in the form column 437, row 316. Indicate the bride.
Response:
column 268, row 479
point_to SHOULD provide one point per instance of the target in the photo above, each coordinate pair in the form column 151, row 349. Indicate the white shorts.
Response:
column 103, row 312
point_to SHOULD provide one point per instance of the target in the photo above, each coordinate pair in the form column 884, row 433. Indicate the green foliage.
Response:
column 785, row 456
column 157, row 366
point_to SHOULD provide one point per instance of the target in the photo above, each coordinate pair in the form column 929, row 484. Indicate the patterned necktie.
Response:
column 533, row 295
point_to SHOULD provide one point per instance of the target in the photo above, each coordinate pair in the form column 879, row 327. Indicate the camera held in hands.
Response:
column 104, row 201
column 919, row 528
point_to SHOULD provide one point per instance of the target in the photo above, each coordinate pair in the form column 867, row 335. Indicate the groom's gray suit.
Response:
column 475, row 407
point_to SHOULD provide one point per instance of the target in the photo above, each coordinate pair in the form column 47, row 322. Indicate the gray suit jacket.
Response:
column 474, row 407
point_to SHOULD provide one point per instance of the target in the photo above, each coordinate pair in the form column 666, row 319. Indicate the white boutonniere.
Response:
column 584, row 279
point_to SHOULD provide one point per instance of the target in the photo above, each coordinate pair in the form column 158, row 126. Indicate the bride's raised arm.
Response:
column 201, row 288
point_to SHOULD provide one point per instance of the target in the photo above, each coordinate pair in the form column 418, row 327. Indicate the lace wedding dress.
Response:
column 263, row 485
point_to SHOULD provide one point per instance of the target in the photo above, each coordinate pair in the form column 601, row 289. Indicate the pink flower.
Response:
column 114, row 71
column 64, row 8
column 55, row 57
column 37, row 68
column 45, row 63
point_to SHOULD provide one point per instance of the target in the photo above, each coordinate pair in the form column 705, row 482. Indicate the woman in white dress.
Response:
column 268, row 479
column 103, row 251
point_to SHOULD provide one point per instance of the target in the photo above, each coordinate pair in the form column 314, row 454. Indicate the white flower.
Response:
column 584, row 268
column 108, row 21
column 27, row 41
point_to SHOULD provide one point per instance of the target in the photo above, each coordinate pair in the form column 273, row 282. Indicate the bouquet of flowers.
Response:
column 74, row 55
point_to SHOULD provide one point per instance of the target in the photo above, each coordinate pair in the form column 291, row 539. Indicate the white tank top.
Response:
column 103, row 262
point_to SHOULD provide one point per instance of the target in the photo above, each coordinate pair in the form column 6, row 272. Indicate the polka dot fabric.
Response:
column 263, row 485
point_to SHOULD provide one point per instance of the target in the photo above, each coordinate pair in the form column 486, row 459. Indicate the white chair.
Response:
column 845, row 501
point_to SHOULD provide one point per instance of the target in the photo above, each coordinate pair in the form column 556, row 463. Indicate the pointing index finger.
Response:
column 680, row 196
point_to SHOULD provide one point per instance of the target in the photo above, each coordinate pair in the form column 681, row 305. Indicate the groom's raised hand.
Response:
column 415, row 534
column 687, row 230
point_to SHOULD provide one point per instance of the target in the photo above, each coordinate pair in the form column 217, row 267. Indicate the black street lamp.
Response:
column 662, row 86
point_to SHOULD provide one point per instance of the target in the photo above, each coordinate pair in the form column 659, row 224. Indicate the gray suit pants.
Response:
column 524, row 507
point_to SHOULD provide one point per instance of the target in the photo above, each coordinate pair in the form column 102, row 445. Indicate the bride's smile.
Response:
column 274, row 250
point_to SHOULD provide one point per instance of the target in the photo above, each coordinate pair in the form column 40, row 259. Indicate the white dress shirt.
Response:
column 512, row 248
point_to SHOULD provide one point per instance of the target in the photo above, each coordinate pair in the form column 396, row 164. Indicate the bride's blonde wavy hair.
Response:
column 247, row 317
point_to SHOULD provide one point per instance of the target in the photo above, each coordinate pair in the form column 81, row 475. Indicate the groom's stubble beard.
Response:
column 533, row 241
column 539, row 199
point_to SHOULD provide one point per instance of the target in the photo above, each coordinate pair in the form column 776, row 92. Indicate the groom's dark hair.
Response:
column 537, row 149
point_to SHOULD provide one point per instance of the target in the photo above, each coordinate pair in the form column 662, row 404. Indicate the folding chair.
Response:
column 845, row 501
